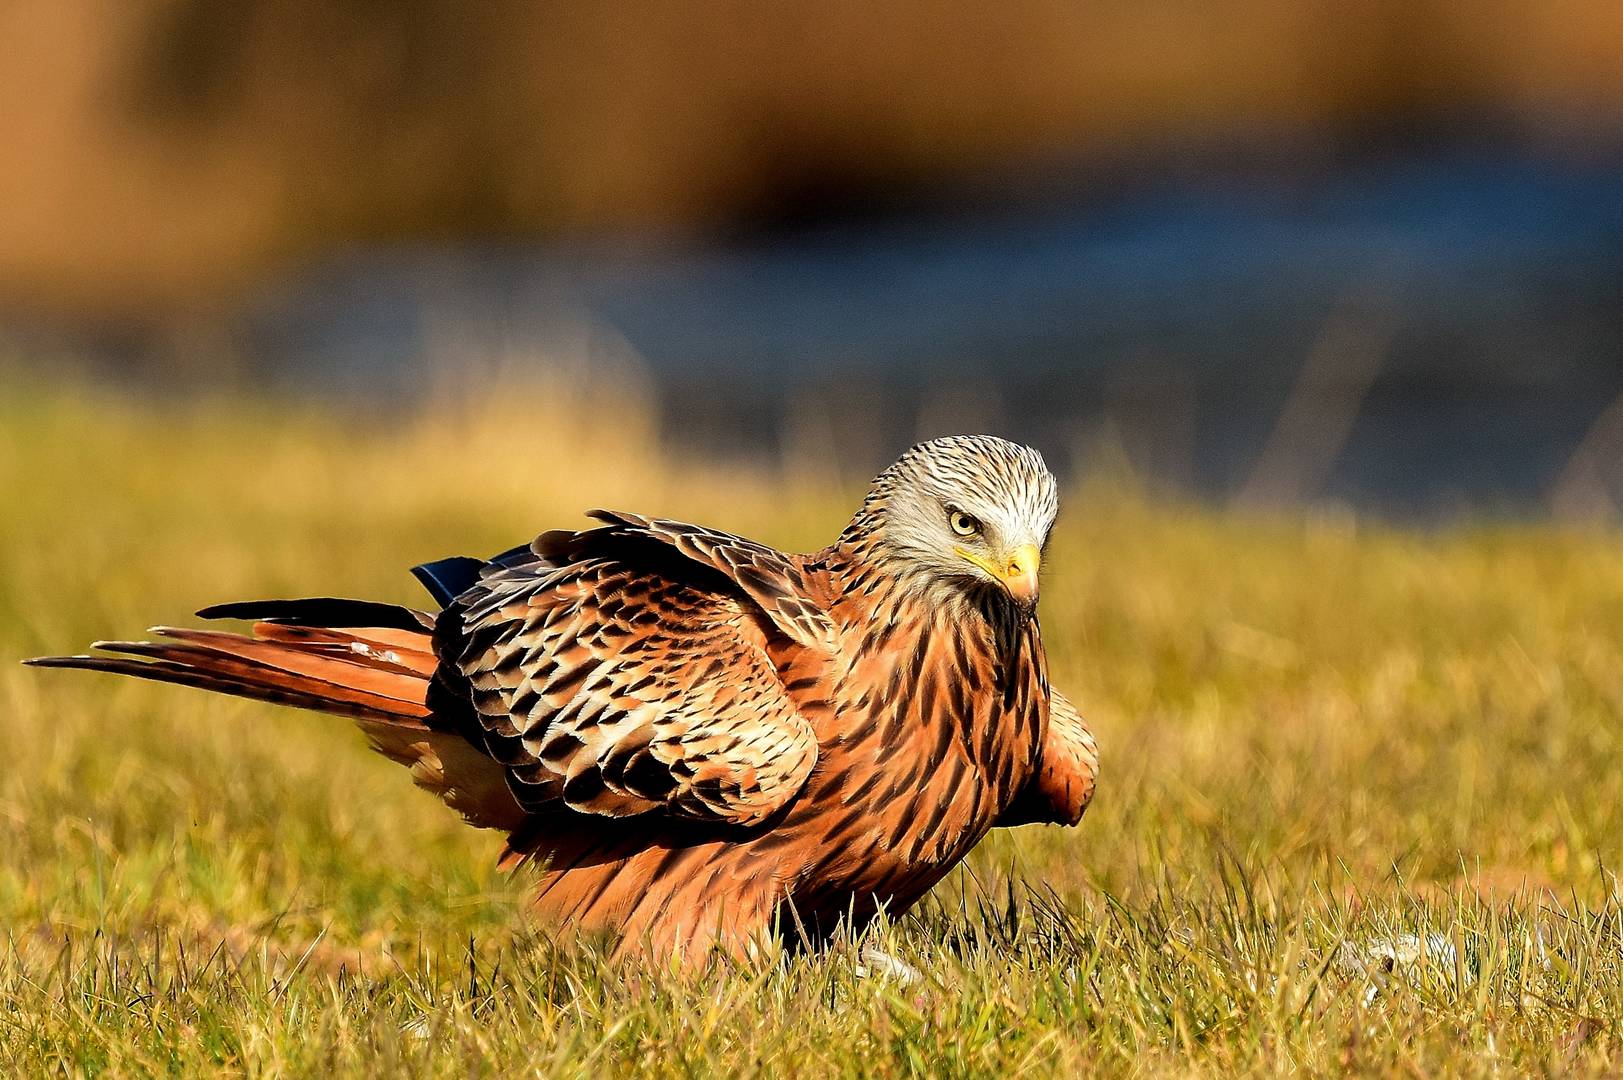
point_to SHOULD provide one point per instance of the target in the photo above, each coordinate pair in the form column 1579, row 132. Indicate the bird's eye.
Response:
column 963, row 524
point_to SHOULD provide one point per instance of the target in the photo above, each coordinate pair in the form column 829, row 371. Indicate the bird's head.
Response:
column 966, row 512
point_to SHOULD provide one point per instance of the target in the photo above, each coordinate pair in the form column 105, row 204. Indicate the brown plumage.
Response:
column 700, row 738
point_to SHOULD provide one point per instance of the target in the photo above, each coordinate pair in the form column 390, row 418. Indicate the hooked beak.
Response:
column 1017, row 574
column 1020, row 575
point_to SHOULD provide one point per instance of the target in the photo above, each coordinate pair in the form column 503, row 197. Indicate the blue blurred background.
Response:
column 1249, row 250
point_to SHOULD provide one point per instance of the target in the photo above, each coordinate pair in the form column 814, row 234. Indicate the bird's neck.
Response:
column 873, row 592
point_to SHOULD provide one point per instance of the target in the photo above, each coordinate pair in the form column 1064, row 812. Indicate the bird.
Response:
column 702, row 743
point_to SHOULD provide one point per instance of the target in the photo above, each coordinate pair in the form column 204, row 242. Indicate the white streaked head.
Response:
column 967, row 509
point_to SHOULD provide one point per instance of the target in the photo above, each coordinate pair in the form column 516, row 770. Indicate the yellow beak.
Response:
column 1018, row 574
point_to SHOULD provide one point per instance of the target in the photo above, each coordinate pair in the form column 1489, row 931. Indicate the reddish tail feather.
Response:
column 378, row 673
column 376, row 670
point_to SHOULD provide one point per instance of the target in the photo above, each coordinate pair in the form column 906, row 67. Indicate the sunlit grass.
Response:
column 1322, row 739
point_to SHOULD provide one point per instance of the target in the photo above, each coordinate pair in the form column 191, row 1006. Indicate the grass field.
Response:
column 1324, row 742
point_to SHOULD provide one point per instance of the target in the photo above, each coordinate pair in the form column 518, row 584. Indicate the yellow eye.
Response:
column 963, row 524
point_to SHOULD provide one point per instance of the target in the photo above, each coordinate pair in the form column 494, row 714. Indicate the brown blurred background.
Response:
column 1269, row 248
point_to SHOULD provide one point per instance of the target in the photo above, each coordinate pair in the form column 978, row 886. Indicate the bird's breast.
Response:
column 930, row 733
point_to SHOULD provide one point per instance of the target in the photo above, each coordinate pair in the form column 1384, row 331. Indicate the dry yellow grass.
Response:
column 1320, row 736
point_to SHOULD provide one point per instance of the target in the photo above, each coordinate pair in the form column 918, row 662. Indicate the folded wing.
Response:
column 617, row 674
column 1066, row 770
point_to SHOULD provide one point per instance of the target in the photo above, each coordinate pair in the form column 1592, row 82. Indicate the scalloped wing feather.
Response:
column 621, row 690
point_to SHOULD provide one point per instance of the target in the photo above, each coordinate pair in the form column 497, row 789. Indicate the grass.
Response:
column 1324, row 740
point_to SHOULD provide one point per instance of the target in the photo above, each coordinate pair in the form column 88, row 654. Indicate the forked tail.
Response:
column 351, row 657
column 368, row 661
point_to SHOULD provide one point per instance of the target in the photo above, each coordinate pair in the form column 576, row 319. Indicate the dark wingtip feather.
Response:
column 322, row 611
column 447, row 579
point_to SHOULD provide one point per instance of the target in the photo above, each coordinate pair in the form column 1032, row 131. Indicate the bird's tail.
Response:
column 350, row 657
column 368, row 661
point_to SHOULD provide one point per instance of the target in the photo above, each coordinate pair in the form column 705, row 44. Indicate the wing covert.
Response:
column 1066, row 771
column 607, row 679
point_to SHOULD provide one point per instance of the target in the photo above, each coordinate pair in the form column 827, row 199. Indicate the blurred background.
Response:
column 1315, row 305
column 1265, row 251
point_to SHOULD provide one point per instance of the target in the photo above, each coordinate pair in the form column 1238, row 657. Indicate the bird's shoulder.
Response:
column 788, row 591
